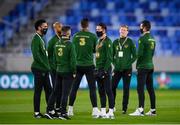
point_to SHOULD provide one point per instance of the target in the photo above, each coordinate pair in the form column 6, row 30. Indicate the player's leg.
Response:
column 151, row 92
column 66, row 87
column 75, row 88
column 126, row 84
column 108, row 89
column 58, row 98
column 115, row 81
column 102, row 96
column 92, row 85
column 50, row 110
column 89, row 72
column 73, row 92
column 38, row 85
column 47, row 85
column 141, row 80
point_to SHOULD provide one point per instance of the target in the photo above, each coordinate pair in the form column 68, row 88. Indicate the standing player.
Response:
column 145, row 69
column 124, row 54
column 40, row 66
column 56, row 38
column 103, row 67
column 85, row 43
column 66, row 68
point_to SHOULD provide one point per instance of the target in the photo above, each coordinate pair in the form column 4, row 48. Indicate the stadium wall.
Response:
column 22, row 63
column 24, row 80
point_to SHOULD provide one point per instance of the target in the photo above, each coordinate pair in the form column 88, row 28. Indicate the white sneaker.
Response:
column 110, row 114
column 138, row 112
column 152, row 112
column 70, row 111
column 103, row 113
column 95, row 112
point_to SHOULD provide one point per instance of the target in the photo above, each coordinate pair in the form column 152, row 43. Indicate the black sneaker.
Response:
column 48, row 116
column 39, row 115
column 151, row 113
column 64, row 117
column 51, row 116
column 58, row 111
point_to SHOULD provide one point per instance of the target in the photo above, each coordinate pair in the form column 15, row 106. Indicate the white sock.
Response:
column 36, row 113
column 141, row 109
column 71, row 108
column 152, row 110
column 111, row 111
column 52, row 112
column 103, row 110
column 95, row 108
column 57, row 108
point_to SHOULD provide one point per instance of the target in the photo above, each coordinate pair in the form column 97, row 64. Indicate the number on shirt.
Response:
column 60, row 52
column 82, row 41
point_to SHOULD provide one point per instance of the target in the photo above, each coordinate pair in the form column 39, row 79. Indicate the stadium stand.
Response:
column 164, row 16
column 16, row 26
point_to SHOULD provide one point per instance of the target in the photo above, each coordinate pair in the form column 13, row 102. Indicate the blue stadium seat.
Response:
column 18, row 17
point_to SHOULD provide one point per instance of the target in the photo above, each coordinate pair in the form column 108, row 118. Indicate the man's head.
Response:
column 101, row 29
column 145, row 26
column 66, row 31
column 123, row 30
column 41, row 26
column 84, row 23
column 57, row 28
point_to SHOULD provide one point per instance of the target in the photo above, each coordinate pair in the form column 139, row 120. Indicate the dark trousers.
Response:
column 63, row 85
column 58, row 98
column 105, row 88
column 89, row 72
column 145, row 77
column 41, row 81
column 126, row 77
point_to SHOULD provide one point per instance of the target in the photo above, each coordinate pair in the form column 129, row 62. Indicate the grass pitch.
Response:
column 16, row 106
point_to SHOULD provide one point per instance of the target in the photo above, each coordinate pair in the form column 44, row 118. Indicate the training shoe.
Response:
column 51, row 115
column 39, row 115
column 96, row 113
column 152, row 112
column 48, row 116
column 58, row 111
column 103, row 113
column 110, row 115
column 138, row 112
column 70, row 111
column 64, row 117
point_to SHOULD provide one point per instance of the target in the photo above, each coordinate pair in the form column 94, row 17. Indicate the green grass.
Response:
column 17, row 107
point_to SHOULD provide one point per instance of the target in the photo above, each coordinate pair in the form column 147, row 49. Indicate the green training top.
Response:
column 65, row 56
column 145, row 52
column 85, row 43
column 40, row 55
column 50, row 49
column 124, row 54
column 104, row 54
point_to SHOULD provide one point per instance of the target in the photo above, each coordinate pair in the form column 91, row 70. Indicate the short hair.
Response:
column 65, row 29
column 103, row 26
column 146, row 24
column 84, row 23
column 56, row 23
column 39, row 23
column 125, row 26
